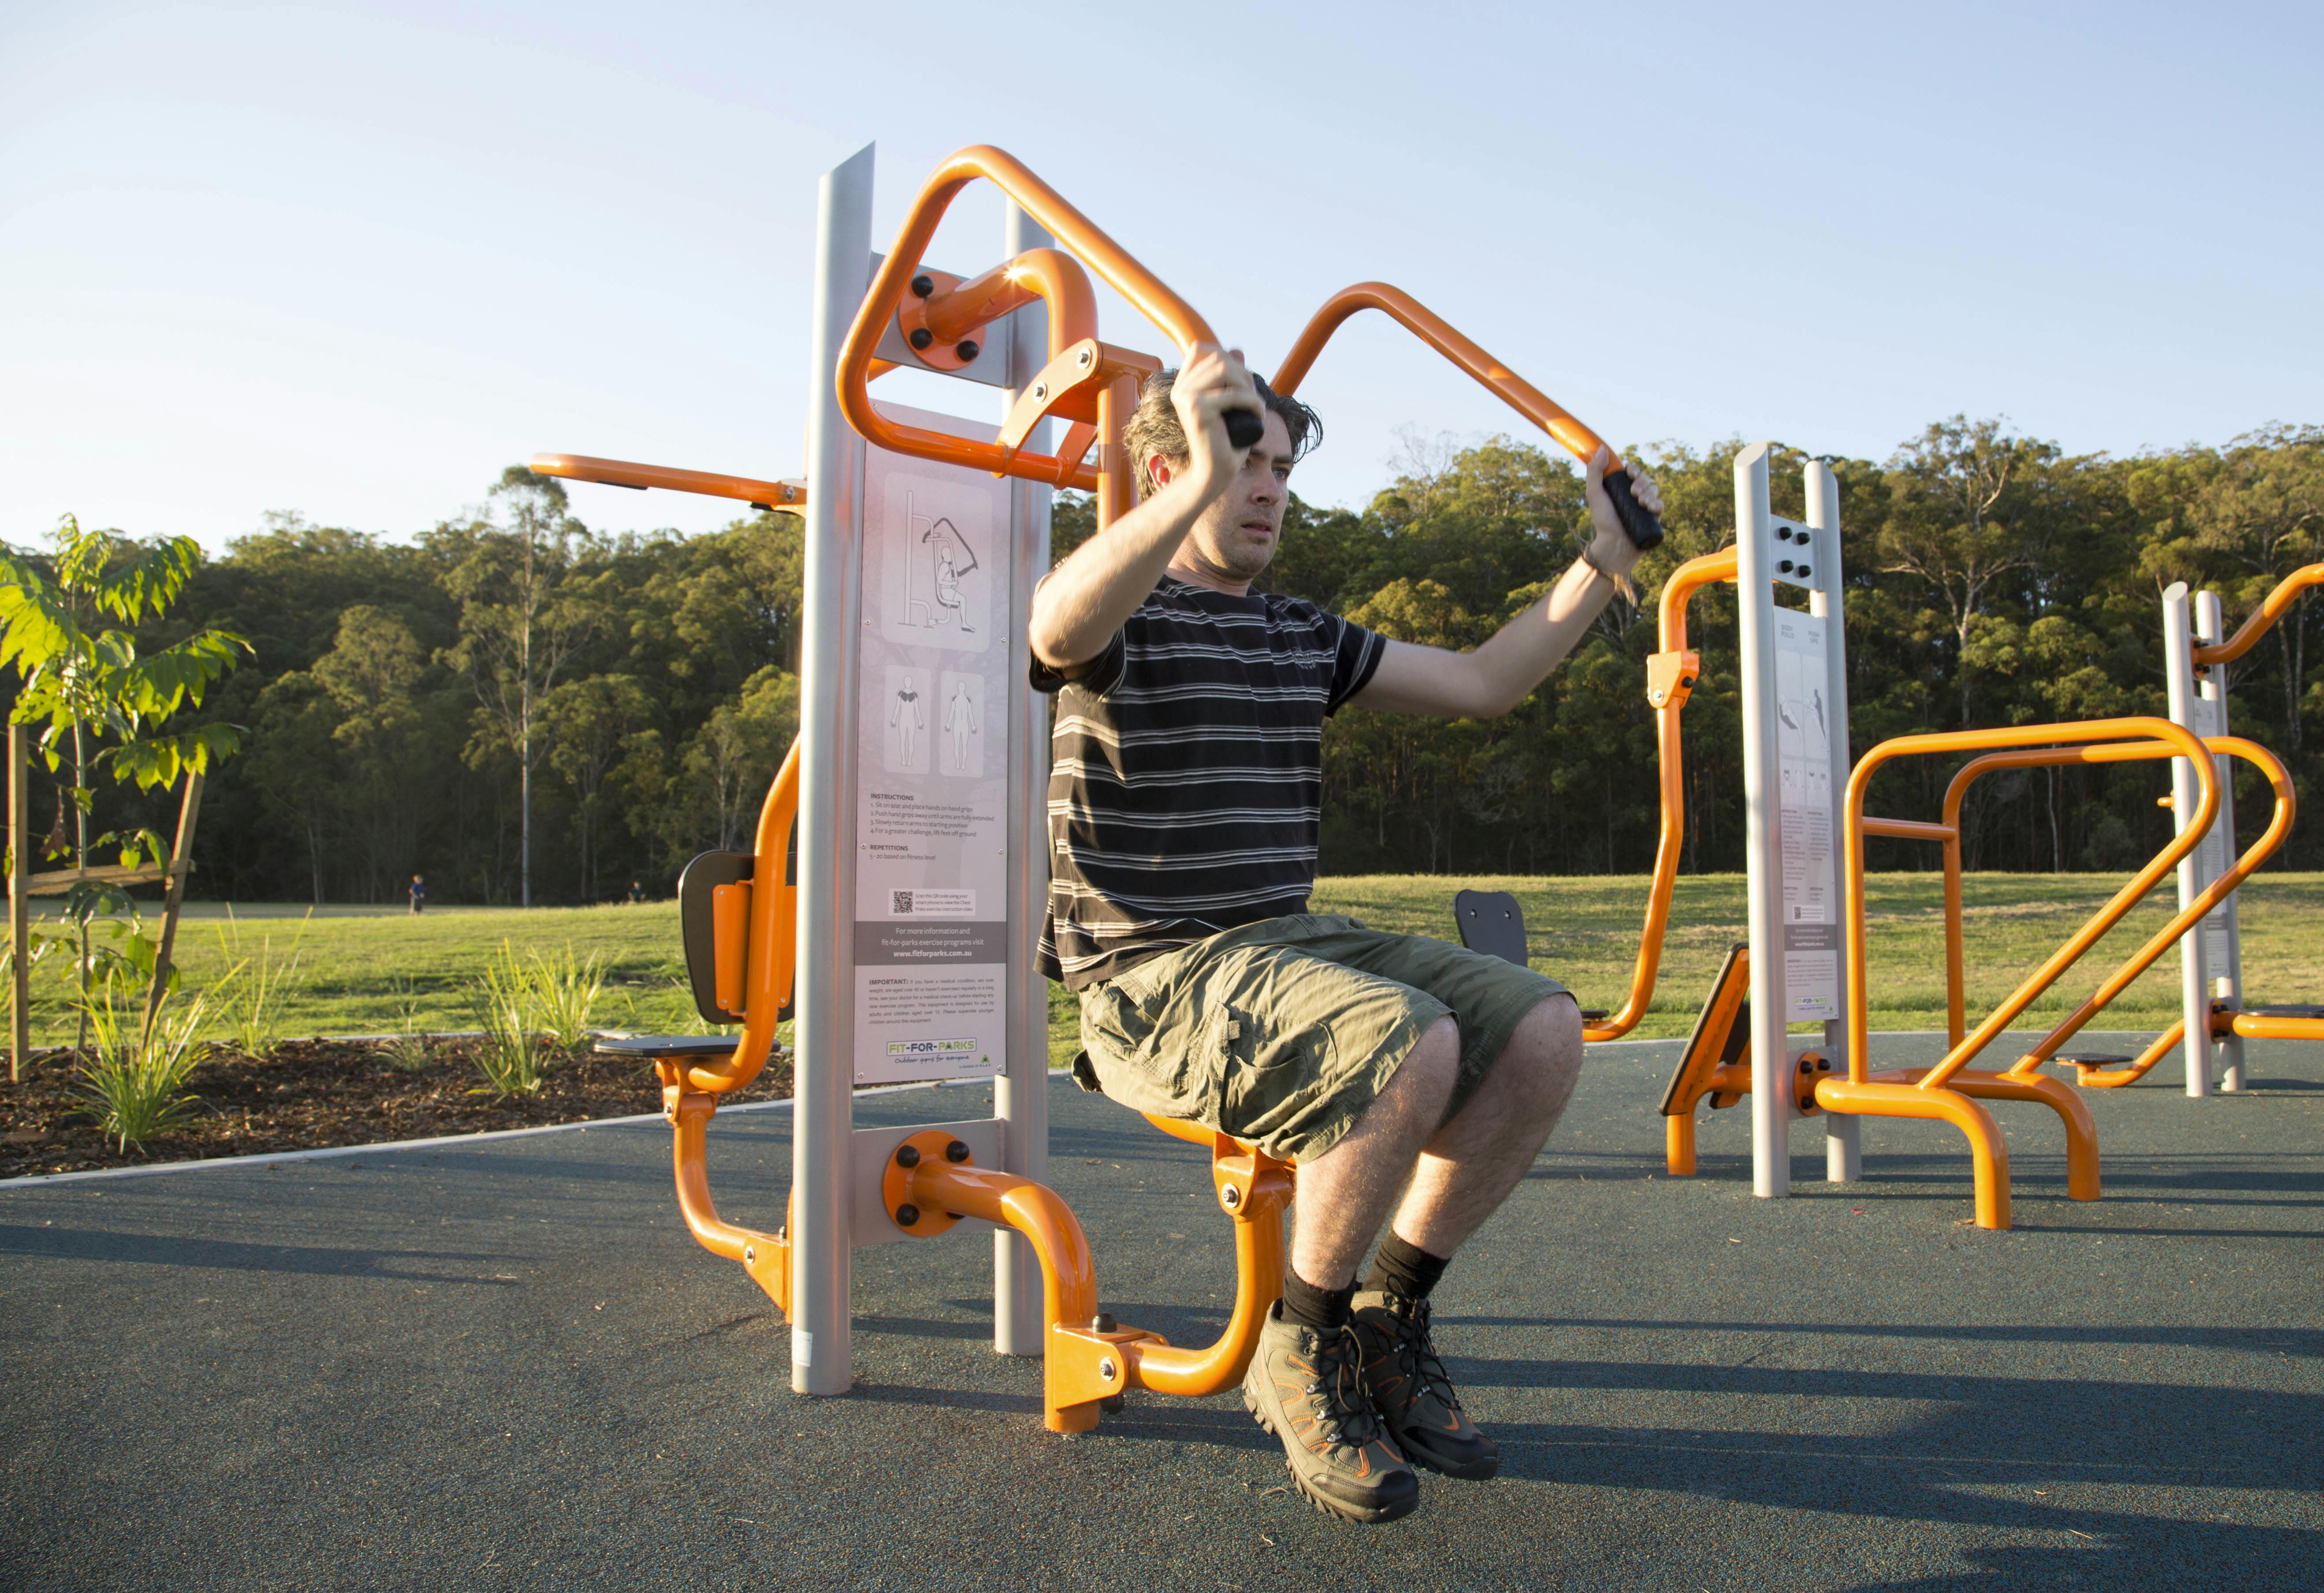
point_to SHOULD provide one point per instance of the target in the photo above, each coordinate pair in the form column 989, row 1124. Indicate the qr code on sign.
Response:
column 903, row 901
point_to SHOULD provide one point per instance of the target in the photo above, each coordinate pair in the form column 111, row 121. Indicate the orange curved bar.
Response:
column 2260, row 1025
column 1052, row 275
column 2263, row 618
column 1072, row 231
column 1068, row 1278
column 773, row 952
column 790, row 496
column 2141, row 960
column 2146, row 729
column 1684, row 583
column 2081, row 1130
column 766, row 1257
column 1265, row 1187
column 1446, row 339
column 2187, row 917
column 2114, row 1078
column 1989, row 1151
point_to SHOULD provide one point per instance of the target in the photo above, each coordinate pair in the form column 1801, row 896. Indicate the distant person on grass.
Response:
column 1413, row 1082
column 419, row 894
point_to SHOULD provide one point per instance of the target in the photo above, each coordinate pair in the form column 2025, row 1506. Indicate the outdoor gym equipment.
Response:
column 2212, row 999
column 894, row 891
column 1802, row 793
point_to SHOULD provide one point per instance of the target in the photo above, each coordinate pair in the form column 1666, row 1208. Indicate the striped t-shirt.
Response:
column 1186, row 780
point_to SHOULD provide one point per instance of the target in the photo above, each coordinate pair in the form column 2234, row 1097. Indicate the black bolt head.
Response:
column 1103, row 1322
column 908, row 1155
column 1784, row 565
column 1805, row 572
column 922, row 337
column 957, row 1151
column 908, row 1216
column 965, row 349
column 923, row 285
column 1783, row 533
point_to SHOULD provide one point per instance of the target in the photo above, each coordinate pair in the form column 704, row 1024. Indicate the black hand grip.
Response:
column 1643, row 528
column 1246, row 427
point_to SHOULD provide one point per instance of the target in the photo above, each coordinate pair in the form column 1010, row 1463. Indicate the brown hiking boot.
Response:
column 1307, row 1390
column 1409, row 1388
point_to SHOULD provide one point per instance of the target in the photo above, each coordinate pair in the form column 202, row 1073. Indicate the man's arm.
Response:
column 1084, row 601
column 1495, row 678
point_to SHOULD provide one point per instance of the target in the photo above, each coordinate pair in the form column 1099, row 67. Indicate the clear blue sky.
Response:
column 352, row 260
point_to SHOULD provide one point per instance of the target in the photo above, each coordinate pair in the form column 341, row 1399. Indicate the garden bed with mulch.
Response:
column 311, row 1094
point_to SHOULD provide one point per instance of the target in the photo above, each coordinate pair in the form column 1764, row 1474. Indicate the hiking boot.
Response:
column 1408, row 1387
column 1307, row 1390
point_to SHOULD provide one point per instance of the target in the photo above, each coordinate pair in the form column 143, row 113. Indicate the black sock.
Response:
column 1324, row 1310
column 1405, row 1268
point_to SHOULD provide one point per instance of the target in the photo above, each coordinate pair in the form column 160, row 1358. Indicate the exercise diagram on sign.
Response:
column 936, row 590
column 963, row 724
column 906, row 709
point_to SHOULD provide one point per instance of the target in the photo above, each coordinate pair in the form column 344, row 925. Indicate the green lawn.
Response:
column 361, row 969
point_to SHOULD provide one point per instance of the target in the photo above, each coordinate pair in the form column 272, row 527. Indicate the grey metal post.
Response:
column 1843, row 1138
column 2227, row 971
column 823, row 1116
column 2194, row 982
column 1771, row 1084
column 1020, row 1095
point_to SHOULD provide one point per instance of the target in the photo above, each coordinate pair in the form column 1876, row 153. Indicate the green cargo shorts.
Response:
column 1283, row 1031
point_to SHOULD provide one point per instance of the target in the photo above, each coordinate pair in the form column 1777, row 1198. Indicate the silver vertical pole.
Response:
column 1771, row 1061
column 823, row 1116
column 2194, row 984
column 1843, row 1140
column 2227, row 974
column 1020, row 1095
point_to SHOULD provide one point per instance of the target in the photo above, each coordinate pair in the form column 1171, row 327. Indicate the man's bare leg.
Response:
column 1345, row 1193
column 1468, row 1168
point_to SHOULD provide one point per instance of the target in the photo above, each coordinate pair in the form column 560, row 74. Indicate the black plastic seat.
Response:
column 1491, row 922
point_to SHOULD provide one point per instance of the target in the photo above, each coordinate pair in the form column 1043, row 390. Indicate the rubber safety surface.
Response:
column 505, row 1365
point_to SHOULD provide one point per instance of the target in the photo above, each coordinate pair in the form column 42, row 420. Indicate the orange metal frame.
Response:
column 1089, row 1360
column 786, row 495
column 1944, row 1091
column 1671, row 675
column 2273, row 607
column 1448, row 340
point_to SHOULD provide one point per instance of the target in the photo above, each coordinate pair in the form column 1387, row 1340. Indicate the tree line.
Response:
column 522, row 709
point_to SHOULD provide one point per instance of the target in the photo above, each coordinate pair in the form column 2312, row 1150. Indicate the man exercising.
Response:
column 1412, row 1080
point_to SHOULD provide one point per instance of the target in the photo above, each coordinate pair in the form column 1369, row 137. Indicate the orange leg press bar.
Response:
column 1087, row 1357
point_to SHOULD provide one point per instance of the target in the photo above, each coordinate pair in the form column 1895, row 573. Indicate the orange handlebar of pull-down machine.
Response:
column 1074, row 232
column 2276, row 604
column 1490, row 374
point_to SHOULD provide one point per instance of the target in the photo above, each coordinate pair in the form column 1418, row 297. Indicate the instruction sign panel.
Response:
column 1804, row 730
column 932, row 761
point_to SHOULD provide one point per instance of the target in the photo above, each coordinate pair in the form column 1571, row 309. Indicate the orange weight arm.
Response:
column 2277, row 603
column 622, row 473
column 1672, row 675
column 1446, row 339
column 1073, row 230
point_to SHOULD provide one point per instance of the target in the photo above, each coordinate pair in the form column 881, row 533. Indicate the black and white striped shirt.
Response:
column 1186, row 780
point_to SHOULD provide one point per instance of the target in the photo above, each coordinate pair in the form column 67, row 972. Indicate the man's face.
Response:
column 1237, row 534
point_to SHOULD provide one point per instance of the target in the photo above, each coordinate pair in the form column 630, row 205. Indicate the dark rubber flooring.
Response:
column 506, row 1366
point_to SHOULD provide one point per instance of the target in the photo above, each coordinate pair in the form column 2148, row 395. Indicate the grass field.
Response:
column 366, row 971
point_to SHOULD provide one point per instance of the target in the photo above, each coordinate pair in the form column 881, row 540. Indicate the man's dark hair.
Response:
column 1154, row 432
